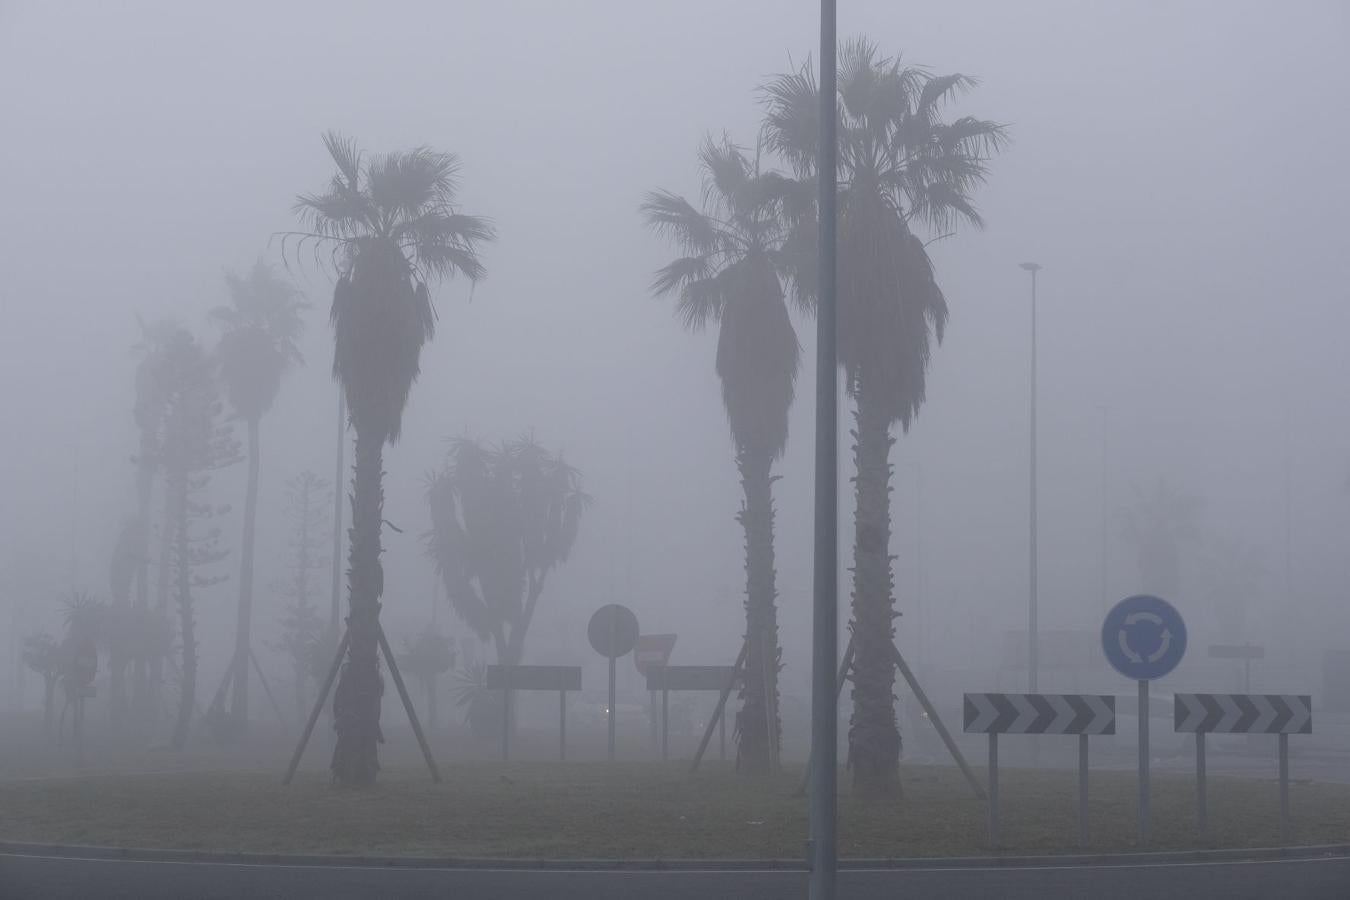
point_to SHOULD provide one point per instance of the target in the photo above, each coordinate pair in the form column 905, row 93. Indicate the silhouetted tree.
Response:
column 261, row 326
column 195, row 443
column 733, row 271
column 42, row 654
column 501, row 519
column 1159, row 525
column 427, row 658
column 302, row 629
column 152, row 387
column 392, row 226
column 900, row 167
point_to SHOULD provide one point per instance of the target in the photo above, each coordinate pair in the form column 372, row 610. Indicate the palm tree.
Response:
column 391, row 224
column 737, row 254
column 901, row 167
column 261, row 326
column 501, row 520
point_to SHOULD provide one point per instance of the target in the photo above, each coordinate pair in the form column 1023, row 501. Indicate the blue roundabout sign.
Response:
column 1144, row 637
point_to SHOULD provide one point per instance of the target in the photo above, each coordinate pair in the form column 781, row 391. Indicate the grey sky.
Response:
column 1179, row 169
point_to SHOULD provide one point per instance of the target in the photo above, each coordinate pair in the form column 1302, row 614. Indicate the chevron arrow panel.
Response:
column 1244, row 713
column 1040, row 714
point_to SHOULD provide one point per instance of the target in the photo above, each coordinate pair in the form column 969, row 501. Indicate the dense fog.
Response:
column 1177, row 169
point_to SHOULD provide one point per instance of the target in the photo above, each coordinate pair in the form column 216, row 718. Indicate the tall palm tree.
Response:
column 391, row 223
column 901, row 168
column 261, row 326
column 737, row 255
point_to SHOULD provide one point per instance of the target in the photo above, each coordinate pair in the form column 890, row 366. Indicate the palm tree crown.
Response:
column 737, row 251
column 391, row 224
column 261, row 327
column 900, row 166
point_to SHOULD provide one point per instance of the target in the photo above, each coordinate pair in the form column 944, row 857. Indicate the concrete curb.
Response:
column 1263, row 854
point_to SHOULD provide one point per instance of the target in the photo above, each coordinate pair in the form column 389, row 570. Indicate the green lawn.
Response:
column 590, row 810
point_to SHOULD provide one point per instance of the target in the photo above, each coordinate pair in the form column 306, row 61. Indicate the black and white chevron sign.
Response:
column 1040, row 714
column 1245, row 713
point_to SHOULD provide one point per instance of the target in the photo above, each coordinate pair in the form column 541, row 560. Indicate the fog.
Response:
column 1178, row 170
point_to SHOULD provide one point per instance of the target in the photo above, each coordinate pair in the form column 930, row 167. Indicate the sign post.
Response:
column 1143, row 637
column 613, row 632
column 664, row 679
column 1279, row 714
column 509, row 679
column 1080, row 714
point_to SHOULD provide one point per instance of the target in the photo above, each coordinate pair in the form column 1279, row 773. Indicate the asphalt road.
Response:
column 47, row 877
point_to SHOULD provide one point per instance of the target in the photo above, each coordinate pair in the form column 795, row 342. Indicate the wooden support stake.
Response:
column 318, row 708
column 937, row 723
column 267, row 689
column 721, row 706
column 408, row 705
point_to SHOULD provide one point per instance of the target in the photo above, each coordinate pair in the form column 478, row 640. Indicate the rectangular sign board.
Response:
column 534, row 678
column 689, row 678
column 1244, row 713
column 1040, row 714
column 1237, row 651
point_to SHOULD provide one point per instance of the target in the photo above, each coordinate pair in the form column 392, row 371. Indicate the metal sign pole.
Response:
column 1201, row 800
column 993, row 789
column 562, row 726
column 1284, row 787
column 1083, row 790
column 665, row 725
column 506, row 716
column 1143, row 760
column 722, row 734
column 612, row 711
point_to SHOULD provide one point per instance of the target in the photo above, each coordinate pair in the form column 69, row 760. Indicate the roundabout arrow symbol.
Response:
column 1163, row 647
column 1125, row 648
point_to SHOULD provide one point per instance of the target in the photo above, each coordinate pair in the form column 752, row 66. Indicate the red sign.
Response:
column 652, row 650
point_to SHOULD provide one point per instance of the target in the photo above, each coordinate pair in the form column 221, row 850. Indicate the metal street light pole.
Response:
column 1033, row 653
column 825, row 626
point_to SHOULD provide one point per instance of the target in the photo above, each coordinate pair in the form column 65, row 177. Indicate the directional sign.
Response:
column 1244, row 713
column 690, row 678
column 534, row 678
column 1040, row 714
column 652, row 650
column 613, row 630
column 1237, row 651
column 1143, row 637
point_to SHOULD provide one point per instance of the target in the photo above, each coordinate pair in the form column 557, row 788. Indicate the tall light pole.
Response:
column 1033, row 653
column 825, row 605
column 1106, row 445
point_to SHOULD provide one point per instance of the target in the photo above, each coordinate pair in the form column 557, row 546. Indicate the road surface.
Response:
column 41, row 876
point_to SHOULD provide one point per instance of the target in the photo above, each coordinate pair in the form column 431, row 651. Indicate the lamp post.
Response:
column 822, row 853
column 1033, row 654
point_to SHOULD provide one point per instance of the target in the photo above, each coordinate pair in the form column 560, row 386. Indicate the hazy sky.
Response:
column 1178, row 168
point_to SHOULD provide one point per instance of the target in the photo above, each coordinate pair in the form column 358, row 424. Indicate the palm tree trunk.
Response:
column 145, row 475
column 154, row 697
column 187, row 695
column 239, row 696
column 356, row 703
column 873, row 737
column 759, row 689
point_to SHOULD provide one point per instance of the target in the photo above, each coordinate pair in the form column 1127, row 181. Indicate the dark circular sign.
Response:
column 613, row 630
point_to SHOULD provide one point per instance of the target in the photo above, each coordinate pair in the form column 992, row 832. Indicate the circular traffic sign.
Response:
column 613, row 630
column 1143, row 637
